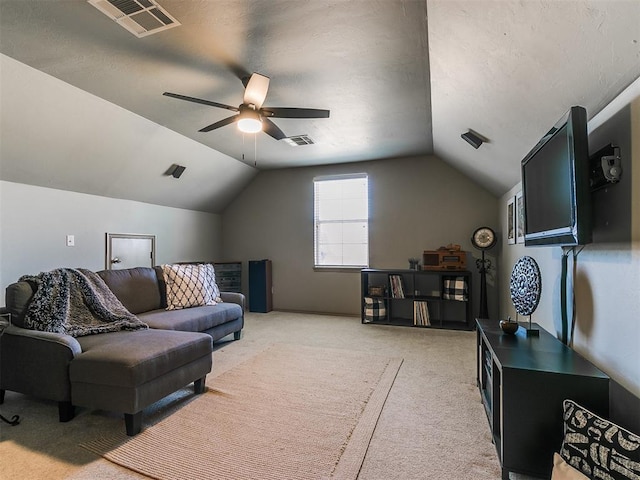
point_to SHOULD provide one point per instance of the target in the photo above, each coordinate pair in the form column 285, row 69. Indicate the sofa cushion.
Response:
column 190, row 285
column 18, row 296
column 134, row 358
column 136, row 288
column 195, row 319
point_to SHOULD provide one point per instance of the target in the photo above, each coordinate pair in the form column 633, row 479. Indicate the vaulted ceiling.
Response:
column 400, row 77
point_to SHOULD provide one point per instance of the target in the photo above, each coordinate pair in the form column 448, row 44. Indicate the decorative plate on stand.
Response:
column 525, row 286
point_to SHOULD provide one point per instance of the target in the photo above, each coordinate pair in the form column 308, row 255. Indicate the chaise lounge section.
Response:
column 128, row 371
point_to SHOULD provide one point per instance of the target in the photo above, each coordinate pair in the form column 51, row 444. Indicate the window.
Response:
column 341, row 221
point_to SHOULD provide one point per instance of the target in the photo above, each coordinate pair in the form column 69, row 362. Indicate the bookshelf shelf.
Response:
column 417, row 298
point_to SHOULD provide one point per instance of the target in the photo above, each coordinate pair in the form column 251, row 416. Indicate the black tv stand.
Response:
column 523, row 381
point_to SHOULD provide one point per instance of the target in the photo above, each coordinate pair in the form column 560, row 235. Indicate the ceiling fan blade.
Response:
column 285, row 112
column 272, row 129
column 219, row 124
column 200, row 100
column 256, row 90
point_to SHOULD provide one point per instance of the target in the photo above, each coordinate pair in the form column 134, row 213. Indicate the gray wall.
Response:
column 607, row 280
column 35, row 221
column 415, row 204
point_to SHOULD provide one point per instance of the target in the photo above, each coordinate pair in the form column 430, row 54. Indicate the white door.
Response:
column 127, row 251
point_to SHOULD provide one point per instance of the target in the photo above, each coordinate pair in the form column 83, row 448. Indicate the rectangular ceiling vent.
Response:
column 299, row 140
column 140, row 17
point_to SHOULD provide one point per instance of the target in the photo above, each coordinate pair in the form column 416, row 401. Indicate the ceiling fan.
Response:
column 252, row 117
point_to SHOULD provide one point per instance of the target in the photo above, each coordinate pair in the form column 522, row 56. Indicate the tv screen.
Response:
column 555, row 185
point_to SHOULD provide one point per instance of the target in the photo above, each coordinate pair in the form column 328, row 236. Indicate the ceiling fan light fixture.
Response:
column 249, row 125
column 249, row 121
column 252, row 118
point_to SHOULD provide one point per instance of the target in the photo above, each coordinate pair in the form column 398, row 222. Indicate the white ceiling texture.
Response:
column 400, row 77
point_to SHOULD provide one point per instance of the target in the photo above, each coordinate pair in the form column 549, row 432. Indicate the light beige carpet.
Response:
column 290, row 412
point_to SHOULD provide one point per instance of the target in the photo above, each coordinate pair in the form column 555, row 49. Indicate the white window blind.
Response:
column 341, row 221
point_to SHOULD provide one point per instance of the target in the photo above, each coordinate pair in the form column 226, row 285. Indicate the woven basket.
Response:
column 376, row 291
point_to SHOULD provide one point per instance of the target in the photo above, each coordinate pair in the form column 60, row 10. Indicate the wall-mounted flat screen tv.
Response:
column 555, row 185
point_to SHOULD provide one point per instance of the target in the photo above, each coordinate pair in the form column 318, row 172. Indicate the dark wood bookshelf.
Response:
column 417, row 286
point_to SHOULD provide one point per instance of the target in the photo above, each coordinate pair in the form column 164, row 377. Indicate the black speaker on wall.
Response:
column 260, row 294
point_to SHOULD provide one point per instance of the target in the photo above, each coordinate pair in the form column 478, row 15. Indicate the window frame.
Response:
column 317, row 222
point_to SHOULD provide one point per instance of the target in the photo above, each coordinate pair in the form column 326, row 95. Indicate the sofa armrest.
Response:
column 50, row 337
column 233, row 297
column 37, row 363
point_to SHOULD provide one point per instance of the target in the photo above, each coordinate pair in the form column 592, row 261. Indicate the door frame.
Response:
column 110, row 236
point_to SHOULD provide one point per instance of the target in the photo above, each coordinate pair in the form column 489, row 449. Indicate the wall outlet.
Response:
column 71, row 240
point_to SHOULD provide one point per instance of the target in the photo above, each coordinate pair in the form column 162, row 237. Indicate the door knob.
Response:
column 115, row 260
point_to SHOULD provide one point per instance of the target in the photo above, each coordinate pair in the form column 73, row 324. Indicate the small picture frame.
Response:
column 511, row 221
column 519, row 218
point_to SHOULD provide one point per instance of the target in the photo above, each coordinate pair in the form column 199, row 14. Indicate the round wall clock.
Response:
column 484, row 238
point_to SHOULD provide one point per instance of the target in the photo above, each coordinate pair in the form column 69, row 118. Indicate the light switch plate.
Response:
column 71, row 240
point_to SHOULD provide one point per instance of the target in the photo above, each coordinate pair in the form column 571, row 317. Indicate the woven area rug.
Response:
column 290, row 412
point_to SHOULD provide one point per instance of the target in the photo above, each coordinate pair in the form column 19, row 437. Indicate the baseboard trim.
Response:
column 313, row 312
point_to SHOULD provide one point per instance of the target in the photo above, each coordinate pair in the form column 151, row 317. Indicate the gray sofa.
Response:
column 123, row 371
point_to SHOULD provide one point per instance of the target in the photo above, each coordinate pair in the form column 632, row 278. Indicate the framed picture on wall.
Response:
column 519, row 218
column 511, row 220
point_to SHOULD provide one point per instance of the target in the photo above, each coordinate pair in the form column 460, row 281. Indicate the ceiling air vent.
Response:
column 299, row 140
column 140, row 17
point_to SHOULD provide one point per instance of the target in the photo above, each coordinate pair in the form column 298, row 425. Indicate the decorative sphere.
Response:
column 509, row 327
